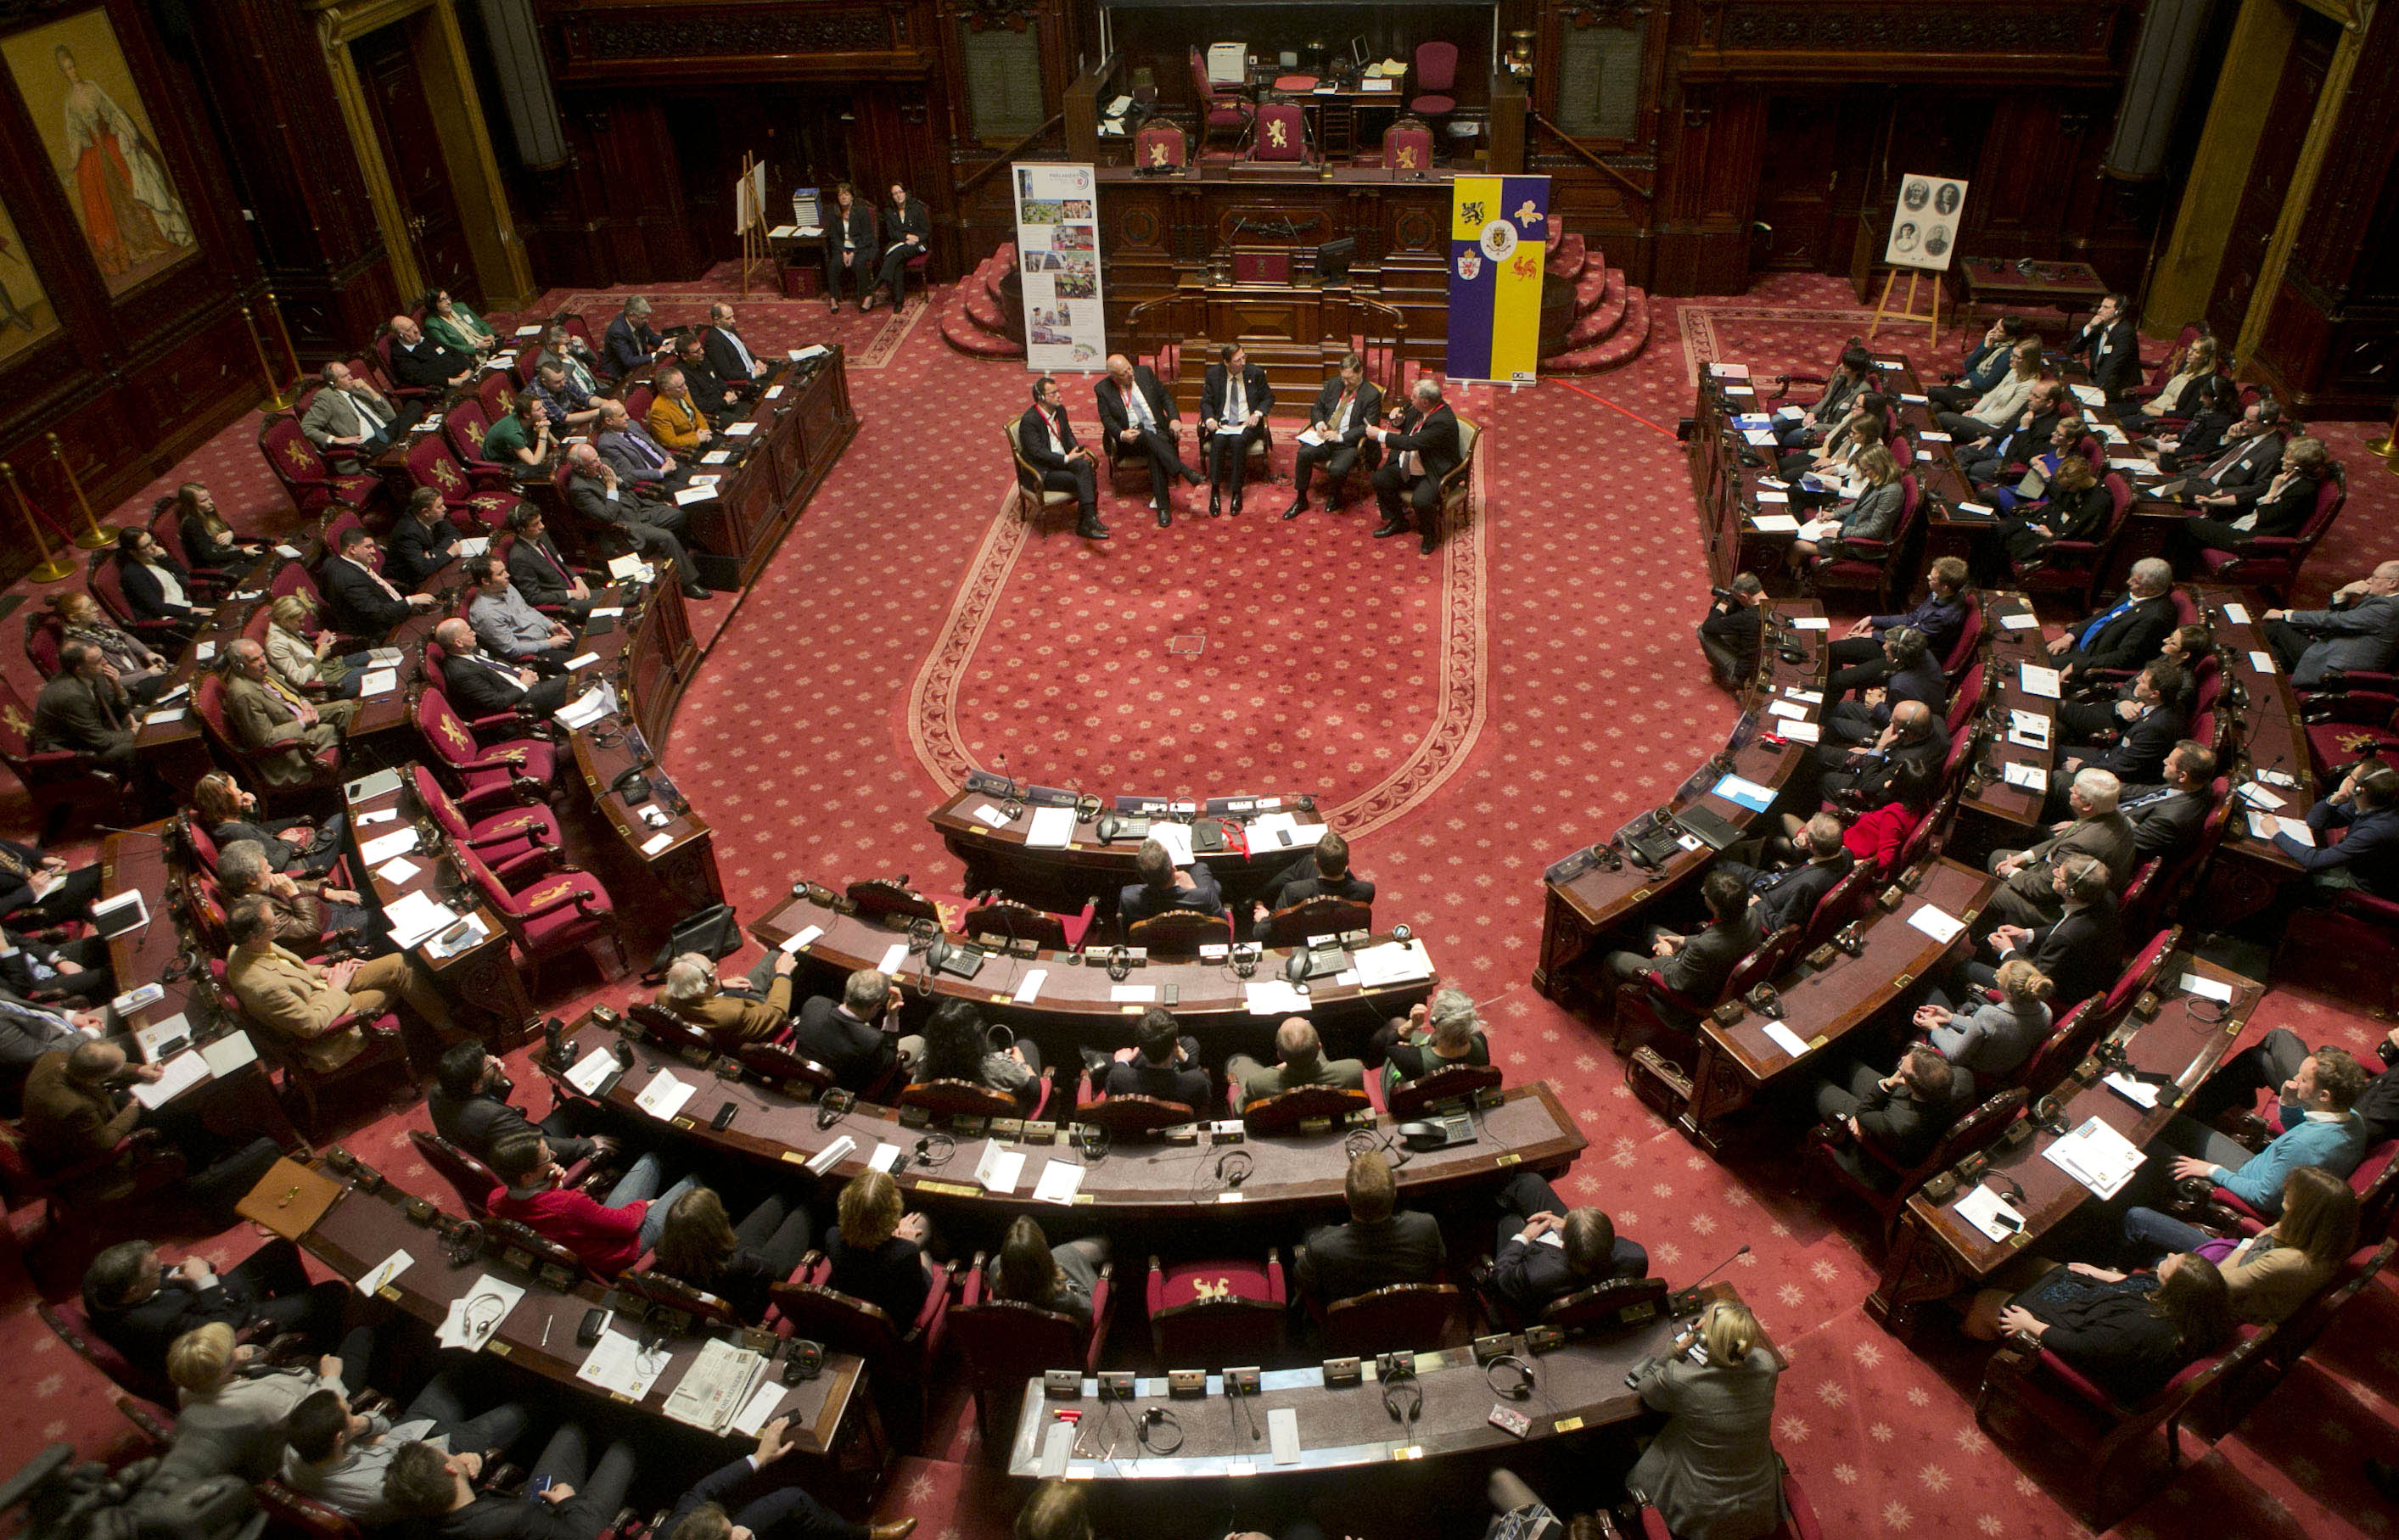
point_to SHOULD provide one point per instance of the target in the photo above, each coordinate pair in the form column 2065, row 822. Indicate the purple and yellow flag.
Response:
column 1499, row 244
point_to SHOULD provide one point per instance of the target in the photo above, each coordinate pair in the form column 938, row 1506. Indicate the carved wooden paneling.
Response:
column 680, row 34
column 1915, row 29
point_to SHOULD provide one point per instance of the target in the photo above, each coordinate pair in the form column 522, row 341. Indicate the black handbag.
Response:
column 713, row 933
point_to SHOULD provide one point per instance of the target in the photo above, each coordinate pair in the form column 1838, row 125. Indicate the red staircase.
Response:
column 972, row 324
column 1611, row 323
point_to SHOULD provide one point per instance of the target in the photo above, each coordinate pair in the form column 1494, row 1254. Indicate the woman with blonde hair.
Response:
column 229, row 1417
column 738, row 1263
column 1872, row 514
column 137, row 670
column 2003, row 402
column 877, row 1252
column 302, row 663
column 2179, row 396
column 228, row 813
column 209, row 541
column 2283, row 508
column 1996, row 1038
column 1712, row 1470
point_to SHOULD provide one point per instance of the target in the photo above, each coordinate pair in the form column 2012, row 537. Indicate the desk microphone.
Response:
column 1687, row 1300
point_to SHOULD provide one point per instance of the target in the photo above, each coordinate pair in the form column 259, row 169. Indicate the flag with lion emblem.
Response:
column 1499, row 243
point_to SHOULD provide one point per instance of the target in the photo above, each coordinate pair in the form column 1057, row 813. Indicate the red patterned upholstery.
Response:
column 479, row 498
column 44, row 631
column 106, row 583
column 899, row 1362
column 1215, row 1315
column 2074, row 567
column 1160, row 146
column 208, row 704
column 386, row 1053
column 166, row 527
column 517, row 772
column 1969, row 637
column 1411, row 1317
column 565, row 910
column 307, row 479
column 1280, row 133
column 1407, row 148
column 523, row 843
column 1219, row 107
column 497, row 394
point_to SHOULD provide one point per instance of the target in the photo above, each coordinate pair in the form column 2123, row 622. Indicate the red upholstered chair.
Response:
column 667, row 1030
column 1798, row 1521
column 1159, row 149
column 519, row 845
column 900, row 1356
column 1181, row 931
column 288, row 1513
column 2067, row 1040
column 307, row 479
column 783, row 1066
column 637, row 399
column 1873, row 566
column 668, row 1292
column 1020, row 921
column 477, row 499
column 497, row 394
column 384, row 1056
column 1407, row 148
column 2354, row 943
column 1220, row 107
column 1885, row 1188
column 1450, row 1083
column 1436, row 77
column 1969, row 639
column 1326, row 915
column 2074, row 567
column 515, row 771
column 1215, row 1315
column 565, row 910
column 473, row 1180
column 72, row 1223
column 44, row 633
column 67, row 1322
column 2272, row 561
column 166, row 527
column 1400, row 1317
column 1281, row 134
column 1848, row 899
column 60, row 782
column 1130, row 1114
column 208, row 704
column 462, row 427
column 1649, row 1000
column 1004, row 1344
column 969, row 1098
column 105, row 583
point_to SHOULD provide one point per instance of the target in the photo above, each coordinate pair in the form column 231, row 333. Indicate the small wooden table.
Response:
column 1992, row 282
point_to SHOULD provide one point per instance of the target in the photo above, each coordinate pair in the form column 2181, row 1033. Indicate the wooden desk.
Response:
column 1153, row 1185
column 1582, row 1390
column 1089, row 869
column 2001, row 814
column 1821, row 1007
column 361, row 1229
column 649, row 654
column 484, row 978
column 2248, row 872
column 1577, row 915
column 1993, row 282
column 802, row 431
column 1935, row 1253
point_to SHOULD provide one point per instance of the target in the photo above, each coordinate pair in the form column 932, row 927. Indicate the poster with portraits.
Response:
column 1058, row 262
column 1924, row 227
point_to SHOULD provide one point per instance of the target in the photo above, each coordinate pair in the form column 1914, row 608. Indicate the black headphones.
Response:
column 1158, row 1417
column 1233, row 1168
column 1403, row 1395
column 1520, row 1391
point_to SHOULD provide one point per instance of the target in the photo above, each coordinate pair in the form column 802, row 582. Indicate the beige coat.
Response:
column 296, row 1001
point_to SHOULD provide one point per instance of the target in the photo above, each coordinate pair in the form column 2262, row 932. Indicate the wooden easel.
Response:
column 754, row 233
column 1884, row 312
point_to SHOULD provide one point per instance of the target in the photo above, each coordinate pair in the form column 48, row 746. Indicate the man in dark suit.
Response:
column 2151, row 723
column 539, row 572
column 639, row 457
column 747, row 1498
column 1857, row 657
column 1547, row 1251
column 2363, row 811
column 1381, row 1245
column 1049, row 444
column 363, row 601
column 856, row 1036
column 422, row 539
column 2358, row 629
column 429, row 1492
column 728, row 357
column 1909, row 749
column 1325, row 874
column 85, row 709
column 2112, row 346
column 1911, row 672
column 1163, row 1065
column 596, row 494
column 1986, row 460
column 2126, row 633
column 1695, row 967
column 1422, row 449
column 1345, row 409
column 1789, row 896
column 1136, row 409
column 1163, row 885
column 2095, row 830
column 481, row 686
column 718, row 398
column 1894, row 1121
column 630, row 343
column 470, row 1108
column 851, row 248
column 2083, row 951
column 1234, row 400
column 2238, row 476
column 140, row 1306
column 417, row 360
column 2167, row 818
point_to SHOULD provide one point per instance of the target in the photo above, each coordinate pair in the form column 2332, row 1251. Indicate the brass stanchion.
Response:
column 276, row 400
column 2388, row 446
column 282, row 331
column 93, row 538
column 51, row 568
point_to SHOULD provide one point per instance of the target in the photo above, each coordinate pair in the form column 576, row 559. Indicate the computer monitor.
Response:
column 1333, row 260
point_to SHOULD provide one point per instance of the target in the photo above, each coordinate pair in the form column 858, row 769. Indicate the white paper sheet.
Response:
column 2210, row 989
column 385, row 1271
column 229, row 1053
column 381, row 815
column 1811, row 622
column 1775, row 524
column 591, row 1070
column 1802, row 731
column 2032, row 777
column 1133, row 994
column 148, row 1040
column 2140, row 1093
column 884, row 1159
column 475, row 1316
column 2097, row 1156
column 1177, row 838
column 658, row 842
column 2025, row 622
column 999, row 1169
column 993, row 816
column 2038, row 681
column 1053, row 829
column 1980, row 511
column 2258, row 796
column 893, row 955
column 1273, row 997
column 415, row 916
column 1979, row 1209
column 1784, row 1038
column 1785, row 708
column 1028, row 989
column 801, row 937
column 177, row 1076
column 1061, row 1179
column 665, row 1095
column 1390, row 963
column 2262, row 662
column 1282, row 1432
column 617, row 1363
column 2237, row 613
column 2296, row 829
column 1937, row 923
column 383, row 847
column 760, row 1408
column 741, row 430
column 379, row 682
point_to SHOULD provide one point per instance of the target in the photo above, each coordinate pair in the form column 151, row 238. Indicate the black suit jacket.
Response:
column 1308, row 884
column 1217, row 387
column 856, row 1052
column 2127, row 642
column 707, row 388
column 1033, row 435
column 477, row 689
column 539, row 572
column 428, row 365
column 2247, row 477
column 2168, row 826
column 587, row 495
column 628, row 348
column 1347, row 1259
column 862, row 234
column 1114, row 418
column 75, row 712
column 475, row 1123
column 724, row 359
column 146, row 597
column 1364, row 412
column 418, row 550
column 2139, row 752
column 1138, row 1076
column 2083, row 951
column 1902, row 1128
column 915, row 219
column 1922, row 756
column 1528, row 1275
column 2286, row 515
column 1792, row 895
column 2115, row 355
column 1433, row 434
column 143, row 1331
column 360, row 605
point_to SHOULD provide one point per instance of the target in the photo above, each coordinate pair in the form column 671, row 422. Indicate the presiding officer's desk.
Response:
column 1140, row 1186
column 999, row 853
column 1580, row 1388
column 1935, row 1252
column 1578, row 912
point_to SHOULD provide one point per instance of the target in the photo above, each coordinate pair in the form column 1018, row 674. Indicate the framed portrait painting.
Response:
column 26, row 316
column 103, row 145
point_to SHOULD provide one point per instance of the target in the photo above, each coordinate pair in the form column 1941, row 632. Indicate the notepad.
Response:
column 1928, row 436
column 617, row 1363
column 694, row 494
column 1053, row 829
column 2298, row 832
column 741, row 430
column 716, row 457
column 999, row 1169
column 398, row 870
column 1282, row 1433
column 665, row 1095
column 1273, row 997
column 2237, row 613
column 1779, row 499
column 1811, row 622
column 1981, row 1208
column 384, row 847
column 2191, row 983
column 2258, row 796
column 176, row 1076
column 1937, row 923
column 1784, row 1038
column 2024, row 622
column 1757, row 436
column 1133, row 994
column 1784, row 709
column 1802, row 731
column 2038, row 681
column 1176, row 840
column 2028, row 728
column 1747, row 793
column 414, row 916
column 893, row 955
column 1774, row 523
column 2097, row 1156
column 1309, row 437
column 385, row 1271
column 592, row 1070
column 1390, row 963
column 1061, row 1179
column 2032, row 777
column 801, row 937
column 2262, row 662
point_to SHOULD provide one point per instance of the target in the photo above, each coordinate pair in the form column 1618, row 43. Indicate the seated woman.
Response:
column 2179, row 397
column 302, row 663
column 2078, row 509
column 2202, row 439
column 2128, row 1334
column 208, row 539
column 877, row 1252
column 1442, row 1032
column 299, row 849
column 1872, row 514
column 452, row 324
column 738, row 1263
column 1994, row 1040
column 141, row 672
column 155, row 586
column 1030, row 1271
column 1711, row 1472
column 229, row 1414
column 761, row 1010
column 1866, row 423
column 2271, row 1274
column 2283, row 508
column 959, row 1047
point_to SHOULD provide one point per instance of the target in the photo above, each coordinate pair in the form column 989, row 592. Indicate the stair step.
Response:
column 1566, row 258
column 1598, row 323
column 1590, row 289
column 1621, row 346
column 981, row 307
column 973, row 340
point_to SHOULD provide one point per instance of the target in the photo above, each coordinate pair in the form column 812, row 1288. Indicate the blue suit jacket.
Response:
column 2369, row 846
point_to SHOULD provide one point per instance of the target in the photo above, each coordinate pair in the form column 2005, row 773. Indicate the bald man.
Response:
column 1301, row 1053
column 598, row 495
column 1905, row 759
column 481, row 686
column 1136, row 412
column 2358, row 631
column 419, row 361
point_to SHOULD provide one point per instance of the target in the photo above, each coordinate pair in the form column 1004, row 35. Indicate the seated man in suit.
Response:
column 595, row 492
column 1047, row 441
column 2363, row 811
column 505, row 624
column 539, row 572
column 1788, row 897
column 138, row 1305
column 638, row 457
column 678, row 419
column 1422, row 448
column 753, row 1014
column 309, row 1003
column 2126, row 633
column 481, row 685
column 1381, row 1245
column 2082, row 950
column 586, row 369
column 2248, row 456
column 1858, row 659
column 2167, row 818
column 1234, row 400
column 1910, row 750
column 719, row 399
column 569, row 406
column 422, row 540
column 1695, row 967
column 79, row 1109
column 1899, row 1118
column 470, row 1108
column 728, row 357
column 1731, row 634
column 1300, row 1059
column 630, row 342
column 29, row 1030
column 1163, row 885
column 2027, row 895
column 1325, row 874
column 421, row 363
column 348, row 420
column 310, row 912
column 1910, row 672
column 363, row 601
column 1985, row 461
column 1547, row 1251
column 280, row 730
column 2151, row 720
column 1137, row 410
column 746, row 1500
column 36, row 970
column 1345, row 409
column 83, row 708
column 2111, row 343
column 431, row 1492
column 607, row 1235
column 1163, row 1065
column 2357, row 631
column 858, row 1036
column 2281, row 509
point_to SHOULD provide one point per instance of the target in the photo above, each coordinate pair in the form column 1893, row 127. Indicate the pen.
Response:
column 544, row 1332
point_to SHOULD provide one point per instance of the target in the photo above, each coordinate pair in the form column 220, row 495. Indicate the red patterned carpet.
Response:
column 908, row 629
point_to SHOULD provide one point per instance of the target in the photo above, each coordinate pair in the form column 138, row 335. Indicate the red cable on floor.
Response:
column 1611, row 405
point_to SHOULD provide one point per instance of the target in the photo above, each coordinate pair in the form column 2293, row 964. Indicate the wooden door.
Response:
column 1798, row 177
column 2269, row 171
column 413, row 159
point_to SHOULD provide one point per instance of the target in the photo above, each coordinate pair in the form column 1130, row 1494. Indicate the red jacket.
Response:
column 607, row 1239
column 1878, row 837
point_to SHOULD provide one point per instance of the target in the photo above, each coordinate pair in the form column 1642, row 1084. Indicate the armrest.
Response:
column 532, row 862
column 1101, row 1310
column 580, row 896
column 935, row 1313
column 972, row 1294
column 2354, row 708
column 813, row 1268
column 1156, row 1299
column 1275, row 1289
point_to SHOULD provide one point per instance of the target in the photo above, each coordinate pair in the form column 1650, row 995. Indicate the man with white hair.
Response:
column 1788, row 897
column 631, row 342
column 2026, row 897
column 421, row 363
column 281, row 730
column 2357, row 631
column 349, row 419
column 483, row 685
column 2126, row 633
column 694, row 992
column 599, row 496
column 857, row 1038
column 1418, row 452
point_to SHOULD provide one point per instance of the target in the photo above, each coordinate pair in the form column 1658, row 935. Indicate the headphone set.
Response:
column 1403, row 1394
column 1233, row 1168
column 1521, row 1390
